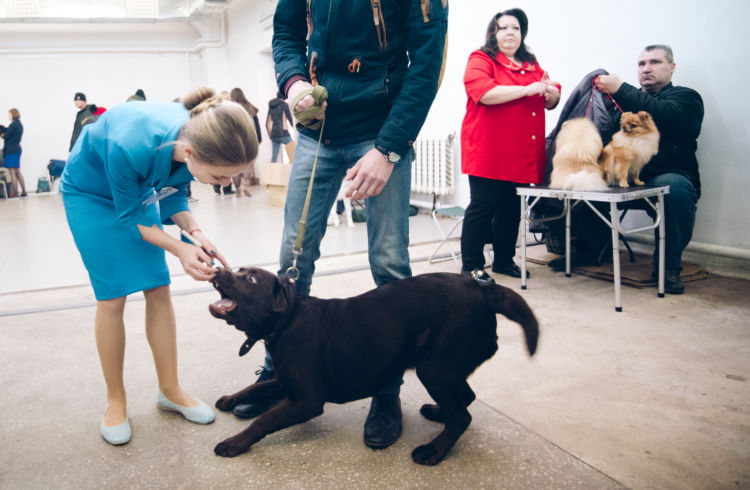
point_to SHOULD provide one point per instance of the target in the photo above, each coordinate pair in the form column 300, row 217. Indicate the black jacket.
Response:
column 381, row 79
column 12, row 136
column 81, row 118
column 678, row 113
column 584, row 101
column 277, row 109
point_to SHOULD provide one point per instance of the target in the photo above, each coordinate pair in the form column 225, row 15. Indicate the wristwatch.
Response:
column 391, row 156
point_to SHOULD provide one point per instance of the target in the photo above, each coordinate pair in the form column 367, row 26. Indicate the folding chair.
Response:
column 456, row 213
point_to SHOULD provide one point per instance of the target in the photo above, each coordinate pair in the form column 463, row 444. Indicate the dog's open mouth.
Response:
column 221, row 308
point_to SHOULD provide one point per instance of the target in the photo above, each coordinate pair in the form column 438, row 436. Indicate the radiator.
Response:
column 432, row 170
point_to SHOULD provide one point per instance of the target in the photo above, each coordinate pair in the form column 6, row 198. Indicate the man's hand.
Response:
column 609, row 82
column 306, row 101
column 369, row 175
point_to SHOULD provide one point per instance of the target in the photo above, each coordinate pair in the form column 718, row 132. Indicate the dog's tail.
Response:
column 510, row 304
column 584, row 180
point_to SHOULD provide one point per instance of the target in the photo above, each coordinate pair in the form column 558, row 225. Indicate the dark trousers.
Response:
column 493, row 216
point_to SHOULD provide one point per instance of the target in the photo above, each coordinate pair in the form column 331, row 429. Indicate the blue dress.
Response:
column 118, row 167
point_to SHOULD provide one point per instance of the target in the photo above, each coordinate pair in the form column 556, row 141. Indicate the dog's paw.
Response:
column 432, row 412
column 226, row 403
column 427, row 455
column 230, row 448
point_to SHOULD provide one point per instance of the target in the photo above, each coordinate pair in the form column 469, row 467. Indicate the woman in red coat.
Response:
column 502, row 140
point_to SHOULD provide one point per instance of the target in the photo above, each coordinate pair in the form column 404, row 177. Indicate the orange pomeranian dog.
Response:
column 575, row 165
column 630, row 150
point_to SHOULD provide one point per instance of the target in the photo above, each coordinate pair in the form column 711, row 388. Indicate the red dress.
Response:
column 503, row 141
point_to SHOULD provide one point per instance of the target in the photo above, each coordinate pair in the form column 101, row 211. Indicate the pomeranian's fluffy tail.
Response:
column 584, row 180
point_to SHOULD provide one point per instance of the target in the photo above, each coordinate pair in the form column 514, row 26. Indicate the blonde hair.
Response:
column 17, row 115
column 220, row 131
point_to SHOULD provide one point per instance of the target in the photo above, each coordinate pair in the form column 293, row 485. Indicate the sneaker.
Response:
column 383, row 425
column 250, row 410
column 672, row 282
column 480, row 276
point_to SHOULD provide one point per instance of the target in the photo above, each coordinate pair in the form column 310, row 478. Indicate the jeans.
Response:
column 276, row 145
column 493, row 215
column 679, row 216
column 387, row 215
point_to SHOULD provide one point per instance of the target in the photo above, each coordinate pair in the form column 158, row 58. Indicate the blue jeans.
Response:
column 679, row 216
column 387, row 215
column 276, row 145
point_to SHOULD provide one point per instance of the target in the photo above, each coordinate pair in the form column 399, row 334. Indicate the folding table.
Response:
column 613, row 196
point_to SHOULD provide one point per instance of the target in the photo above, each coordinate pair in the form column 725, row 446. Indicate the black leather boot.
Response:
column 250, row 410
column 383, row 425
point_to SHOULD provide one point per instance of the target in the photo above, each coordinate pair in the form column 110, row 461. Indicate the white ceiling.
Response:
column 106, row 10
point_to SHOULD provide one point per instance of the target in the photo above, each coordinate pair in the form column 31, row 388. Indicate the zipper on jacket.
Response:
column 377, row 16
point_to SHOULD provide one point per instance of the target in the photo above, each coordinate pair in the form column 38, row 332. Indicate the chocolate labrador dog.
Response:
column 340, row 350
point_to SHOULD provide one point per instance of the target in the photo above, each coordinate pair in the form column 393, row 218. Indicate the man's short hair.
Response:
column 79, row 96
column 667, row 51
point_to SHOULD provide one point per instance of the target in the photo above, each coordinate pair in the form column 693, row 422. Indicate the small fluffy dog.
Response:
column 630, row 150
column 575, row 165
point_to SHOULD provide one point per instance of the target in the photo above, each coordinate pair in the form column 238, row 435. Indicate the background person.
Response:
column 244, row 181
column 502, row 140
column 84, row 112
column 678, row 114
column 116, row 192
column 12, row 152
column 378, row 100
column 278, row 122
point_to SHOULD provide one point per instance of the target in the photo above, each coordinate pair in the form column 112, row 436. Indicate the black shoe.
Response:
column 228, row 189
column 217, row 189
column 383, row 425
column 511, row 270
column 250, row 410
column 672, row 282
column 480, row 276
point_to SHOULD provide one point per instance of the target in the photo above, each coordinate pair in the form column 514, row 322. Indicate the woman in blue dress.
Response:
column 12, row 152
column 126, row 176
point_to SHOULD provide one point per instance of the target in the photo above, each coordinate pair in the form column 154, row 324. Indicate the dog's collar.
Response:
column 246, row 346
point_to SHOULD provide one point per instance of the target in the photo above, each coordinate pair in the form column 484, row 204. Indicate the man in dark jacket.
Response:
column 85, row 112
column 678, row 113
column 381, row 63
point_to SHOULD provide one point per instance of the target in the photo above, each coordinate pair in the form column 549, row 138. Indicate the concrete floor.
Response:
column 654, row 397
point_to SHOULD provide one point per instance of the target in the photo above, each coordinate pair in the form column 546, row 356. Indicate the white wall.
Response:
column 708, row 39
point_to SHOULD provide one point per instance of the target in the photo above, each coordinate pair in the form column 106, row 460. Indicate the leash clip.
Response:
column 292, row 273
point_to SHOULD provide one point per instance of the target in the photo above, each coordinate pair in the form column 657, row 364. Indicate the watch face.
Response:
column 393, row 157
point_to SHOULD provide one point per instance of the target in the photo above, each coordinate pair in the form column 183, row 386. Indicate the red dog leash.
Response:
column 591, row 99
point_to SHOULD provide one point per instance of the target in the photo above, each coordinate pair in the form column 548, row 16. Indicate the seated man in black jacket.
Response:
column 678, row 113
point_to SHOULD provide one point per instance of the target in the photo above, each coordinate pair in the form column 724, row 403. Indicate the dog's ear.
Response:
column 283, row 293
column 643, row 115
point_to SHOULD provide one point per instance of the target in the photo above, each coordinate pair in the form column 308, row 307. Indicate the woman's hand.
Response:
column 551, row 97
column 195, row 262
column 209, row 248
column 536, row 88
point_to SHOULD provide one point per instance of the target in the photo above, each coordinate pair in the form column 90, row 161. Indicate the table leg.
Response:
column 660, row 288
column 524, row 220
column 567, row 237
column 614, row 215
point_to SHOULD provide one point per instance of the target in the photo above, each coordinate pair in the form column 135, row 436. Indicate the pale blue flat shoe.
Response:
column 116, row 434
column 202, row 414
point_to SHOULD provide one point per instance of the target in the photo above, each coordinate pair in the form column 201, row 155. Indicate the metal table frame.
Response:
column 613, row 197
